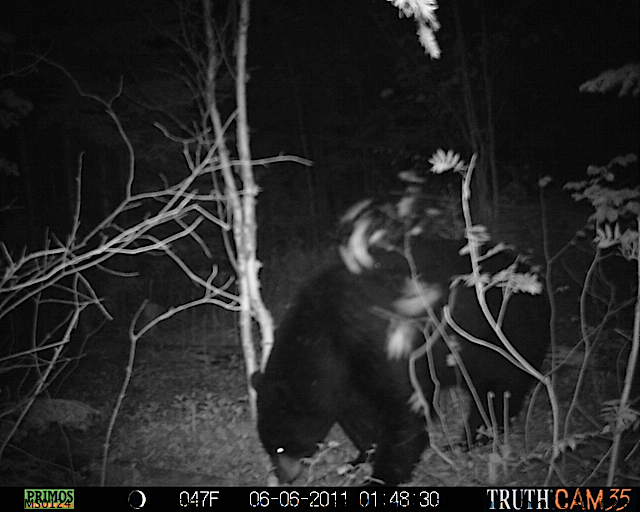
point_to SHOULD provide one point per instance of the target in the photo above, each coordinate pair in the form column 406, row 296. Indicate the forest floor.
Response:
column 185, row 419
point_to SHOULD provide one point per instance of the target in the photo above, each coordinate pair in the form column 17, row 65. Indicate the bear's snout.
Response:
column 287, row 468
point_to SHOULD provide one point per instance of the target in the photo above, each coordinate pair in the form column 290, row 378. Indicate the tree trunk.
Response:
column 481, row 191
column 241, row 202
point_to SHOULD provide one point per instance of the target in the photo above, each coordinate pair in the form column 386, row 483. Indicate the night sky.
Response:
column 342, row 83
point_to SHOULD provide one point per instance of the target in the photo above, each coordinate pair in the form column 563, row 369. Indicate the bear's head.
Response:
column 288, row 430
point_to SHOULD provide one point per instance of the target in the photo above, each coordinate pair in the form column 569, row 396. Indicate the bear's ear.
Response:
column 255, row 380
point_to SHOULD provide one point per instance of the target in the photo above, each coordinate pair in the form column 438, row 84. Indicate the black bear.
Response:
column 330, row 363
column 341, row 355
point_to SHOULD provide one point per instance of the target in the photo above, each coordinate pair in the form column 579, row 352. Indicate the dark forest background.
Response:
column 344, row 84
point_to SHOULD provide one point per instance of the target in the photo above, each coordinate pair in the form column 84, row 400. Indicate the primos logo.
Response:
column 48, row 498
